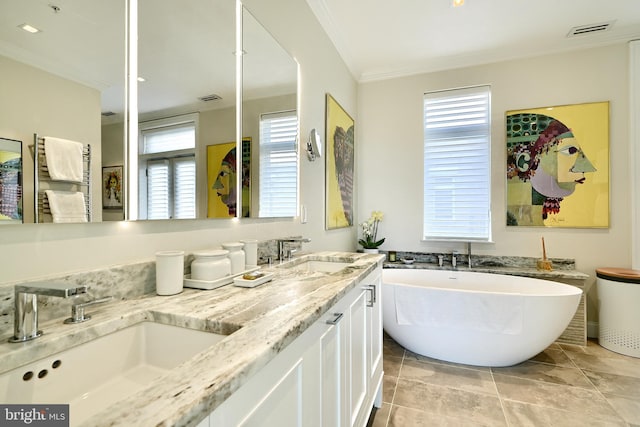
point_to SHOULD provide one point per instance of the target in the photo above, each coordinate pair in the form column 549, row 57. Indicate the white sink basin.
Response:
column 94, row 375
column 320, row 266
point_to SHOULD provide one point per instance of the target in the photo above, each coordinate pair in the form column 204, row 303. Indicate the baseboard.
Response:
column 592, row 329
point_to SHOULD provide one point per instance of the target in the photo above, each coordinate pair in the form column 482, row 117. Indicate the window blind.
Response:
column 168, row 168
column 278, row 164
column 457, row 144
column 169, row 138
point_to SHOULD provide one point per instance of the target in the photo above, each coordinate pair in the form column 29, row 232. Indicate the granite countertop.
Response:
column 509, row 270
column 259, row 322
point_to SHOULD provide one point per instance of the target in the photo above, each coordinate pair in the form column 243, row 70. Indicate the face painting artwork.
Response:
column 544, row 155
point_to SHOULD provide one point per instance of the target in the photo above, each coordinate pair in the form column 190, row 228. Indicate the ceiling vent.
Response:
column 590, row 29
column 212, row 97
column 108, row 114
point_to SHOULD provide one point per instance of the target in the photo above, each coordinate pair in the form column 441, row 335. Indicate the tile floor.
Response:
column 564, row 386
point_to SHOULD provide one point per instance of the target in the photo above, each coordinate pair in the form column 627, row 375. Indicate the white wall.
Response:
column 31, row 251
column 390, row 144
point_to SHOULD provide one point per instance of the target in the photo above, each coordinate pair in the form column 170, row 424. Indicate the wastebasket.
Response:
column 619, row 300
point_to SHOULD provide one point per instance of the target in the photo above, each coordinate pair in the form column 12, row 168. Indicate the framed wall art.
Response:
column 558, row 166
column 221, row 179
column 10, row 181
column 339, row 165
column 112, row 187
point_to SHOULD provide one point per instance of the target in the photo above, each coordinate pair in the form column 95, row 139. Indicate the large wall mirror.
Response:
column 68, row 81
column 62, row 67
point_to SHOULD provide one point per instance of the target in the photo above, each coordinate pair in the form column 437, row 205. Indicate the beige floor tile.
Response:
column 449, row 402
column 629, row 409
column 557, row 396
column 409, row 355
column 526, row 415
column 462, row 378
column 388, row 388
column 381, row 416
column 392, row 348
column 405, row 417
column 594, row 349
column 615, row 384
column 391, row 365
column 627, row 366
column 547, row 373
column 554, row 356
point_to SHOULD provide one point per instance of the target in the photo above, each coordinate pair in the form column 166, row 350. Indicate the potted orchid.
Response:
column 369, row 240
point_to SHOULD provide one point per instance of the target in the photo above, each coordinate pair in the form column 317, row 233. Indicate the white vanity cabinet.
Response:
column 328, row 377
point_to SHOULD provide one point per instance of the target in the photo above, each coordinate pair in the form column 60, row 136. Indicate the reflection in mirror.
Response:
column 58, row 80
column 186, row 102
column 10, row 181
column 269, row 121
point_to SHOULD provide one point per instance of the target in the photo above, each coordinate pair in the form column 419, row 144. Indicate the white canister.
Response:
column 236, row 255
column 169, row 272
column 250, row 253
column 210, row 265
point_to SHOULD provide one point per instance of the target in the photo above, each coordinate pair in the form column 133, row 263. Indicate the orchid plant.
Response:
column 370, row 231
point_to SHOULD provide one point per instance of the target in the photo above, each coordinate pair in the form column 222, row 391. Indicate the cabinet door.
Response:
column 357, row 356
column 285, row 393
column 282, row 405
column 374, row 335
column 330, row 371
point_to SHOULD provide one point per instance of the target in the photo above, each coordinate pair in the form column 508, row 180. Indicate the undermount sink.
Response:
column 313, row 266
column 96, row 374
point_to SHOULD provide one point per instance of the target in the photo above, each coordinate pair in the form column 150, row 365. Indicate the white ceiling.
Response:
column 381, row 39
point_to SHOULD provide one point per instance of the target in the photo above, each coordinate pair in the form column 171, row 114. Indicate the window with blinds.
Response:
column 168, row 170
column 278, row 164
column 457, row 198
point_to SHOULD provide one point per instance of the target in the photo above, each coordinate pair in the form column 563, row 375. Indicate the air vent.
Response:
column 212, row 97
column 108, row 113
column 590, row 29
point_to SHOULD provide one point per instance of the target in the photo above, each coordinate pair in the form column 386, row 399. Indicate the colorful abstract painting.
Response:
column 221, row 180
column 558, row 166
column 10, row 181
column 339, row 166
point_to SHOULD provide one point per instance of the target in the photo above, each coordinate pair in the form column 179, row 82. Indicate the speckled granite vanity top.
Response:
column 259, row 323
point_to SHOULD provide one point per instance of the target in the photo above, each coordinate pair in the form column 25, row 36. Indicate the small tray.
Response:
column 206, row 284
column 213, row 284
column 244, row 283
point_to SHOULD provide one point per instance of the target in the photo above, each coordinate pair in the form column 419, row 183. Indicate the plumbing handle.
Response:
column 77, row 310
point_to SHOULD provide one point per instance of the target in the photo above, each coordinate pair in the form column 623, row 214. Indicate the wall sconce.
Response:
column 314, row 145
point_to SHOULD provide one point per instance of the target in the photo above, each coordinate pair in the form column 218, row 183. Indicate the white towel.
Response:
column 472, row 311
column 64, row 159
column 67, row 206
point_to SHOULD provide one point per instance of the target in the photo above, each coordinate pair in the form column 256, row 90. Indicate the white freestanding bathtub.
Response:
column 474, row 318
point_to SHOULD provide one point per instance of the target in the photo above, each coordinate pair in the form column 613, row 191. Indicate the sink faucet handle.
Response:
column 77, row 310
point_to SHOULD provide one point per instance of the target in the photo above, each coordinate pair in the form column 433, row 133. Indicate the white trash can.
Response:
column 619, row 300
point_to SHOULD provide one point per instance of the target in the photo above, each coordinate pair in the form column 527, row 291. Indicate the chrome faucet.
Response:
column 25, row 326
column 77, row 310
column 286, row 254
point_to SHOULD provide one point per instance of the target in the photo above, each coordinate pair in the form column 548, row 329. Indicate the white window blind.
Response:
column 171, row 188
column 169, row 138
column 457, row 144
column 168, row 169
column 278, row 164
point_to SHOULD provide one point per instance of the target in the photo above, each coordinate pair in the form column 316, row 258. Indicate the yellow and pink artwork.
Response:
column 558, row 166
